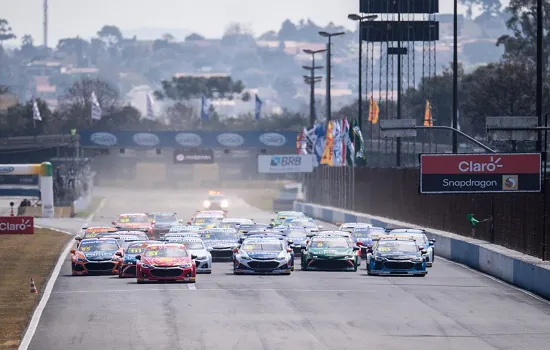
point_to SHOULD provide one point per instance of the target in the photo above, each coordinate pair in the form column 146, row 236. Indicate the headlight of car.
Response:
column 146, row 266
column 349, row 257
column 206, row 204
column 185, row 266
column 314, row 256
column 201, row 258
column 282, row 256
column 419, row 259
column 81, row 260
column 209, row 249
column 224, row 204
column 379, row 258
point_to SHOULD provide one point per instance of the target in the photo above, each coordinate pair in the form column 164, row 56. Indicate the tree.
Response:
column 168, row 37
column 186, row 88
column 5, row 31
column 18, row 120
column 194, row 37
column 110, row 34
column 288, row 31
column 77, row 47
column 27, row 40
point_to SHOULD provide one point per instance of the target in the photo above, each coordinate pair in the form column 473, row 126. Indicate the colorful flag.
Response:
column 96, row 107
column 337, row 148
column 36, row 111
column 150, row 111
column 360, row 156
column 204, row 108
column 348, row 139
column 328, row 152
column 428, row 120
column 374, row 111
column 320, row 134
column 258, row 109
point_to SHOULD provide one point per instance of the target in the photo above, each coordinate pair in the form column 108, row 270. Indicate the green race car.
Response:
column 283, row 215
column 330, row 252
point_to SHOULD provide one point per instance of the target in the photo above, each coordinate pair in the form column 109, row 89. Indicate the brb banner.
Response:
column 285, row 163
column 480, row 173
column 16, row 225
column 191, row 139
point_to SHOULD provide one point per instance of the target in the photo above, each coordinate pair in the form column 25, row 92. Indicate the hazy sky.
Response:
column 207, row 17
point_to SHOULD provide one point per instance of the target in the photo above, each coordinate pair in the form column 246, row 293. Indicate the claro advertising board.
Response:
column 16, row 225
column 285, row 163
column 480, row 173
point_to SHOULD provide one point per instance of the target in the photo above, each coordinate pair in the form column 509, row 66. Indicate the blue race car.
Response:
column 364, row 236
column 298, row 236
column 262, row 255
column 275, row 235
column 393, row 255
column 220, row 242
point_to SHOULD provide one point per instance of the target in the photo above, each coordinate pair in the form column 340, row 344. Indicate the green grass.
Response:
column 95, row 203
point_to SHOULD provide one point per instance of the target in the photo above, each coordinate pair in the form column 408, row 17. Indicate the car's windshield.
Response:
column 225, row 236
column 193, row 245
column 135, row 249
column 166, row 218
column 296, row 234
column 166, row 252
column 397, row 247
column 419, row 238
column 130, row 219
column 207, row 220
column 252, row 227
column 216, row 198
column 304, row 223
column 336, row 242
column 363, row 233
column 98, row 246
column 260, row 246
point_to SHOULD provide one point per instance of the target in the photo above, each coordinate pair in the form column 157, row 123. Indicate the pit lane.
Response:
column 451, row 308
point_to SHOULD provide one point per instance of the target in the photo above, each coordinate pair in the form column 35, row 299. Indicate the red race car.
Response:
column 166, row 262
column 135, row 221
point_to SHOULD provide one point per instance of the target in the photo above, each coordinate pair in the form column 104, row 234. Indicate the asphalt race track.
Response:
column 450, row 308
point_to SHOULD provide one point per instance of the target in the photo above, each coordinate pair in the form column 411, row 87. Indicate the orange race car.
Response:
column 96, row 256
column 135, row 221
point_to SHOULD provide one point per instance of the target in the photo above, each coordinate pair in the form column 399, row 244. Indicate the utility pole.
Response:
column 399, row 87
column 329, row 53
column 45, row 23
column 312, row 80
column 455, row 76
column 540, row 69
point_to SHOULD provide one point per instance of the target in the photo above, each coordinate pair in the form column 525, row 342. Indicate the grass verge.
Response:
column 23, row 257
column 93, row 206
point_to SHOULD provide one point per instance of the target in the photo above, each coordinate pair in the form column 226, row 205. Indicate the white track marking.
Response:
column 33, row 325
column 496, row 280
column 191, row 286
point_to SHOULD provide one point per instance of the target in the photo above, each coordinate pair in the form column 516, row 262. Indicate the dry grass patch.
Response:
column 23, row 257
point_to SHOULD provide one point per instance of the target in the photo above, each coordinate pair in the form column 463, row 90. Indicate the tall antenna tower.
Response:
column 45, row 23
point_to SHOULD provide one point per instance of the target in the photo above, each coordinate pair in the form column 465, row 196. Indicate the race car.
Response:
column 298, row 237
column 134, row 221
column 330, row 252
column 363, row 237
column 92, row 232
column 282, row 215
column 206, row 221
column 253, row 227
column 216, row 200
column 393, row 255
column 235, row 222
column 127, row 265
column 177, row 235
column 196, row 246
column 343, row 234
column 166, row 262
column 309, row 224
column 96, row 255
column 349, row 226
column 421, row 240
column 140, row 234
column 186, row 228
column 220, row 242
column 262, row 255
column 275, row 235
column 162, row 222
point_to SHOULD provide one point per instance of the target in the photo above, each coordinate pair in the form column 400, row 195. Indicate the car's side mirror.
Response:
column 118, row 254
column 423, row 251
column 236, row 250
column 78, row 238
column 73, row 251
column 432, row 241
column 290, row 241
column 138, row 257
column 356, row 248
column 193, row 256
column 359, row 244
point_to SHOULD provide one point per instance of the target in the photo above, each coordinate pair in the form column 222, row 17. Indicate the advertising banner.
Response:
column 16, row 225
column 194, row 156
column 480, row 173
column 285, row 163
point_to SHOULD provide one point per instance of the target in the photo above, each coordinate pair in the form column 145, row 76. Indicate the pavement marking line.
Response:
column 35, row 320
column 99, row 207
column 533, row 295
column 191, row 286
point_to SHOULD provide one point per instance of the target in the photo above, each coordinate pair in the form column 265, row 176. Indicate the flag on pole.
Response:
column 360, row 156
column 150, row 111
column 337, row 148
column 258, row 108
column 204, row 108
column 428, row 120
column 304, row 142
column 320, row 135
column 36, row 111
column 348, row 139
column 328, row 151
column 458, row 119
column 96, row 108
column 374, row 111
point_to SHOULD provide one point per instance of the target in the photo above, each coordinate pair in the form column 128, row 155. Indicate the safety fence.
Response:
column 514, row 220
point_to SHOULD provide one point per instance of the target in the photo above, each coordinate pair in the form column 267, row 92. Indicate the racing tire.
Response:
column 291, row 268
column 355, row 268
column 286, row 274
column 420, row 275
column 140, row 282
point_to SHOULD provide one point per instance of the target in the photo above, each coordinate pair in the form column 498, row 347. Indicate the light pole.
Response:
column 361, row 19
column 455, row 75
column 329, row 36
column 312, row 82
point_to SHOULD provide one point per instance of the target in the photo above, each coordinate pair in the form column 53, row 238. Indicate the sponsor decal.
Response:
column 230, row 140
column 16, row 225
column 273, row 139
column 146, row 139
column 104, row 139
column 188, row 139
column 480, row 173
column 6, row 169
column 194, row 156
column 290, row 163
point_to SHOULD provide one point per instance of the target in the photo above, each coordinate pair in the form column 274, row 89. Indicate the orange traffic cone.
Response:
column 33, row 287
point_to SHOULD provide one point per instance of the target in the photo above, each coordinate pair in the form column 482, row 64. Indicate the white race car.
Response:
column 195, row 246
column 349, row 226
column 421, row 240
